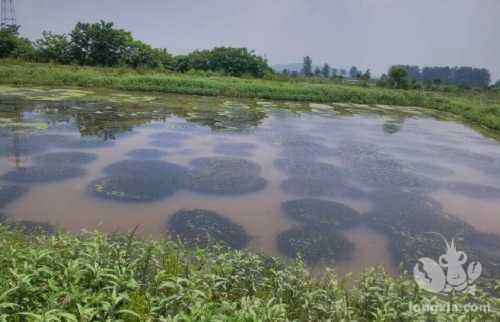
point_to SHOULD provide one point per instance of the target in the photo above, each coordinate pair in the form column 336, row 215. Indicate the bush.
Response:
column 227, row 60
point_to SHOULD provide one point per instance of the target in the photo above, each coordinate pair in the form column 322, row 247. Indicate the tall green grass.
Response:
column 97, row 277
column 469, row 106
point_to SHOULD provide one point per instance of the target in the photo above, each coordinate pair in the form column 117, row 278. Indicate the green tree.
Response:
column 227, row 60
column 53, row 48
column 317, row 72
column 12, row 45
column 397, row 76
column 8, row 41
column 326, row 70
column 141, row 55
column 182, row 63
column 99, row 44
column 366, row 75
column 307, row 69
column 354, row 72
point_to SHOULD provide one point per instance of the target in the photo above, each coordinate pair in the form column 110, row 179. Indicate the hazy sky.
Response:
column 366, row 33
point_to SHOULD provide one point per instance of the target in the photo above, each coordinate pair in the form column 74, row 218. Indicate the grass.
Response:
column 481, row 108
column 97, row 277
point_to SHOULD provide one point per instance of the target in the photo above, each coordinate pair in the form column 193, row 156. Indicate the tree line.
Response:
column 102, row 44
column 404, row 76
column 326, row 71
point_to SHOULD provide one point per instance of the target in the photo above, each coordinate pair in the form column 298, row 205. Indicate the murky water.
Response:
column 389, row 176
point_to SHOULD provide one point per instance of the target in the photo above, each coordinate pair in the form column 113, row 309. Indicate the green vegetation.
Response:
column 324, row 213
column 482, row 108
column 102, row 44
column 139, row 181
column 225, row 176
column 94, row 277
column 315, row 244
column 203, row 228
column 11, row 45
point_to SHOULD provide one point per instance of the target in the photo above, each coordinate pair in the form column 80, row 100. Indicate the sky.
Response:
column 371, row 34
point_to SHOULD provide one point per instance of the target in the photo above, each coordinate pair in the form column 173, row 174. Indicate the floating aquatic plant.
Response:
column 428, row 169
column 65, row 158
column 202, row 228
column 231, row 117
column 317, row 187
column 314, row 244
column 412, row 223
column 43, row 173
column 368, row 166
column 127, row 188
column 235, row 149
column 321, row 213
column 139, row 181
column 308, row 169
column 146, row 154
column 226, row 176
column 303, row 150
column 87, row 143
column 172, row 173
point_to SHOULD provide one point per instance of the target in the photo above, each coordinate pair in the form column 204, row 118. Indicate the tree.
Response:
column 285, row 72
column 307, row 66
column 413, row 72
column 227, row 60
column 326, row 70
column 366, row 75
column 353, row 72
column 317, row 71
column 433, row 74
column 53, row 48
column 462, row 76
column 8, row 40
column 181, row 63
column 397, row 76
column 141, row 55
column 99, row 44
column 383, row 81
column 11, row 45
column 334, row 72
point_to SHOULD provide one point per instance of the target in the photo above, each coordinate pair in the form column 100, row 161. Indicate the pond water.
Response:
column 345, row 186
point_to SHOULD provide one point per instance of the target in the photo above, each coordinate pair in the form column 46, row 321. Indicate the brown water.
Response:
column 405, row 152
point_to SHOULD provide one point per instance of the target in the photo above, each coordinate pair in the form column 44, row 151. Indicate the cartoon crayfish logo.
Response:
column 448, row 273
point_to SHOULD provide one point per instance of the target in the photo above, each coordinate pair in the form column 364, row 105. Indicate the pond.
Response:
column 341, row 185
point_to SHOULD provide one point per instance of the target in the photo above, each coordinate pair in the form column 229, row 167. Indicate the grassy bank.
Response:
column 93, row 277
column 482, row 109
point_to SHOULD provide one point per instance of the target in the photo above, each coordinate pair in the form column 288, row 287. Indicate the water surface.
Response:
column 403, row 173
